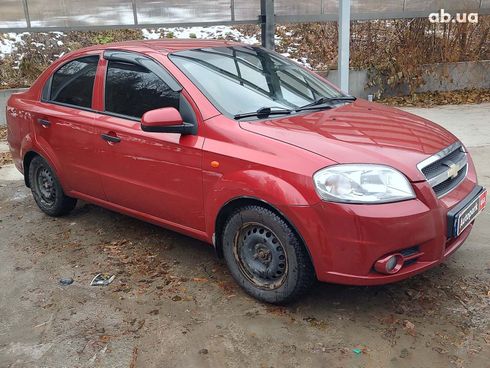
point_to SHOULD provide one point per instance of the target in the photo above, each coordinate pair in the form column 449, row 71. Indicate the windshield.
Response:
column 242, row 79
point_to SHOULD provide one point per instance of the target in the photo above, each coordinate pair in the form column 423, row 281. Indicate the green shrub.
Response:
column 102, row 39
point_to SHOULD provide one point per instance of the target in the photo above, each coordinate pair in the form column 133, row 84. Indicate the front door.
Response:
column 157, row 174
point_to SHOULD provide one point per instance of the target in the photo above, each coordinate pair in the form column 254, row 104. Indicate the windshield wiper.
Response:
column 264, row 112
column 324, row 100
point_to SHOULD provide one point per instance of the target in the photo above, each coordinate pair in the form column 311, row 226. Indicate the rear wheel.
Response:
column 265, row 256
column 46, row 189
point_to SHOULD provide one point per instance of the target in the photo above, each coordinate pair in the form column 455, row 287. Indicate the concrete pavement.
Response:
column 470, row 123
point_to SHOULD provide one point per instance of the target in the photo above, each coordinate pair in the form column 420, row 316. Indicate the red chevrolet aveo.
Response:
column 290, row 179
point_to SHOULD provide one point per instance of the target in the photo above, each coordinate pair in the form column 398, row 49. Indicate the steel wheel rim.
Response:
column 261, row 256
column 45, row 186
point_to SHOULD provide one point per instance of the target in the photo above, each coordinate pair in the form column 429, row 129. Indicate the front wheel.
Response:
column 265, row 256
column 46, row 189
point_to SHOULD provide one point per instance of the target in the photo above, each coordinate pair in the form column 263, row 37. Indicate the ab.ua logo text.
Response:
column 443, row 17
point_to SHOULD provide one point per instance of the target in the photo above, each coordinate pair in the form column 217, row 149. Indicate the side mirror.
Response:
column 165, row 120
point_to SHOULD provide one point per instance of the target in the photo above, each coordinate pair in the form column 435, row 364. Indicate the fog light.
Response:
column 390, row 264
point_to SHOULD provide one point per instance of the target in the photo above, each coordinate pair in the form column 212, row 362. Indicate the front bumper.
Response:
column 346, row 240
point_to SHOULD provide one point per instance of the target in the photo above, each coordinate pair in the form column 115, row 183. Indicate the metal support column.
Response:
column 135, row 13
column 26, row 13
column 267, row 23
column 344, row 43
column 232, row 9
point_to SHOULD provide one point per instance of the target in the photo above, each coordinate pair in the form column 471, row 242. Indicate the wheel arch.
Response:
column 233, row 204
column 29, row 155
column 39, row 147
column 26, row 162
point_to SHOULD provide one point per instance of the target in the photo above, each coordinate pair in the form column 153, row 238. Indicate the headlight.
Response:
column 362, row 183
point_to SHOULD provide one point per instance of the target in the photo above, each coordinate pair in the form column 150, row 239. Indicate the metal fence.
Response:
column 45, row 15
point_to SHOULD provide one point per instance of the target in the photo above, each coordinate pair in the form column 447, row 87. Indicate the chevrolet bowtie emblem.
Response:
column 453, row 171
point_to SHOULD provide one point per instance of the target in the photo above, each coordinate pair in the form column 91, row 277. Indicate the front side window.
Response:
column 131, row 90
column 73, row 83
column 241, row 79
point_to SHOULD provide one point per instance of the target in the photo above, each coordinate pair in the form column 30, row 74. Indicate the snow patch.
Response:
column 10, row 42
column 150, row 34
column 211, row 32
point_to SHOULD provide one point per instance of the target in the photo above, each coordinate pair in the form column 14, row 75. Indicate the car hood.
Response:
column 360, row 132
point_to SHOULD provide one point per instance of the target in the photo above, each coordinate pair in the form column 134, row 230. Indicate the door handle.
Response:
column 110, row 138
column 44, row 122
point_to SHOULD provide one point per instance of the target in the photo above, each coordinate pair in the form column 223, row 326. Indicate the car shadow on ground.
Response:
column 186, row 251
column 419, row 296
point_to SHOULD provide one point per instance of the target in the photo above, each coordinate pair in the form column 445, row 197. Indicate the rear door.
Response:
column 64, row 124
column 156, row 174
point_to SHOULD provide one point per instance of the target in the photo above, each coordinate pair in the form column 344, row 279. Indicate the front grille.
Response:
column 446, row 169
column 437, row 167
column 449, row 184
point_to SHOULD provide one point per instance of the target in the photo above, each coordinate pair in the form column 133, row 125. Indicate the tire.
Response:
column 46, row 189
column 265, row 256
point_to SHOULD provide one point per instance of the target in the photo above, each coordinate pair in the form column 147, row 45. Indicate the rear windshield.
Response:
column 241, row 79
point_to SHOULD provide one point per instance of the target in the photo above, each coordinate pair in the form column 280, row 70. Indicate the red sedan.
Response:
column 290, row 179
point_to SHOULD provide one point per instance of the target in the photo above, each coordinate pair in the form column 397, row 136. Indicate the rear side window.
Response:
column 73, row 83
column 132, row 90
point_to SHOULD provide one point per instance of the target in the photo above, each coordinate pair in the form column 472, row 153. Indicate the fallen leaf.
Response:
column 199, row 279
column 134, row 357
column 409, row 327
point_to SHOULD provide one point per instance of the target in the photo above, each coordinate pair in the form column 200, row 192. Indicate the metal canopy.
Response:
column 69, row 15
column 65, row 15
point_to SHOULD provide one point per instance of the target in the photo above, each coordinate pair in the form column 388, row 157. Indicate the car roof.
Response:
column 165, row 46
